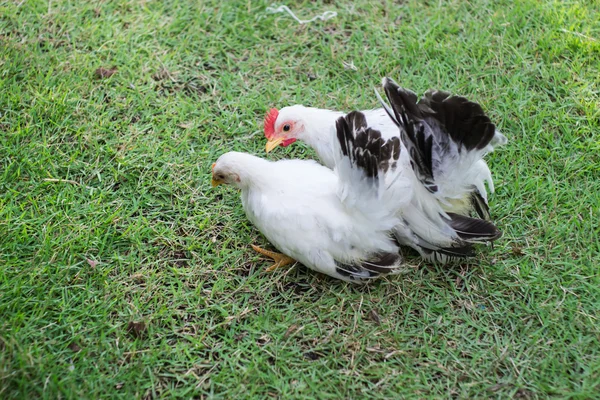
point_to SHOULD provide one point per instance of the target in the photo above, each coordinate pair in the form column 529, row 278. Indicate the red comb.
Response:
column 270, row 119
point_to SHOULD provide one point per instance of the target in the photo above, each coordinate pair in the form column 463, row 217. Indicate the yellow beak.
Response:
column 213, row 181
column 272, row 143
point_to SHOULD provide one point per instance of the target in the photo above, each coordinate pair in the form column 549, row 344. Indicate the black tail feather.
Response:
column 473, row 229
column 391, row 113
column 354, row 271
column 480, row 206
column 463, row 120
column 374, row 266
column 383, row 262
column 444, row 257
column 460, row 250
column 417, row 140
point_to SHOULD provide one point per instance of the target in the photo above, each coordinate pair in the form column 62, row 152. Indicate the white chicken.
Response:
column 338, row 223
column 444, row 139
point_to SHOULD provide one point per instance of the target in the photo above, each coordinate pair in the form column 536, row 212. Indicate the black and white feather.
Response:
column 365, row 161
column 446, row 137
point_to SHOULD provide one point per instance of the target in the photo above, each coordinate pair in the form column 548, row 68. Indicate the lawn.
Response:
column 124, row 274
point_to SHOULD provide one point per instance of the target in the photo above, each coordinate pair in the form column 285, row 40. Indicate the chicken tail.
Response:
column 446, row 137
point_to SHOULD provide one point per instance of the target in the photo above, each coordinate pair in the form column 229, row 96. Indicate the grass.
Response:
column 124, row 274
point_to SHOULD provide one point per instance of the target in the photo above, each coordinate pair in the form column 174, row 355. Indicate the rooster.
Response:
column 443, row 139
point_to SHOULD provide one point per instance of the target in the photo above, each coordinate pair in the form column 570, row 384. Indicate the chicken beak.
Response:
column 214, row 182
column 272, row 143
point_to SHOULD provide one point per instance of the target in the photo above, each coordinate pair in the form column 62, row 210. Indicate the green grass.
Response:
column 116, row 171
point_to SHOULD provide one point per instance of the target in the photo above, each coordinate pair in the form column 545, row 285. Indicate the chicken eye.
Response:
column 220, row 177
column 286, row 128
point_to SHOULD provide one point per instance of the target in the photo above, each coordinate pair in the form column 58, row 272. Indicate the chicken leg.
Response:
column 281, row 260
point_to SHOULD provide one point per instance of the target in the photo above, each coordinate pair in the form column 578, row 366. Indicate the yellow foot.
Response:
column 281, row 260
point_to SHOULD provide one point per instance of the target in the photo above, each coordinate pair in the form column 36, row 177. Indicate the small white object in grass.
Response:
column 283, row 8
column 349, row 65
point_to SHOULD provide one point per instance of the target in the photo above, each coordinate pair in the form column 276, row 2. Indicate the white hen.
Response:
column 338, row 223
column 443, row 164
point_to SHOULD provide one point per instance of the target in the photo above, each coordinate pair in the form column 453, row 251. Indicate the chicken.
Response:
column 461, row 191
column 444, row 167
column 337, row 222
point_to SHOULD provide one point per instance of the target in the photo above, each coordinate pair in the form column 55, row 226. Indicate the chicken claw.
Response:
column 281, row 260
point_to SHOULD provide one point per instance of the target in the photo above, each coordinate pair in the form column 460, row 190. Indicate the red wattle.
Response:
column 287, row 142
